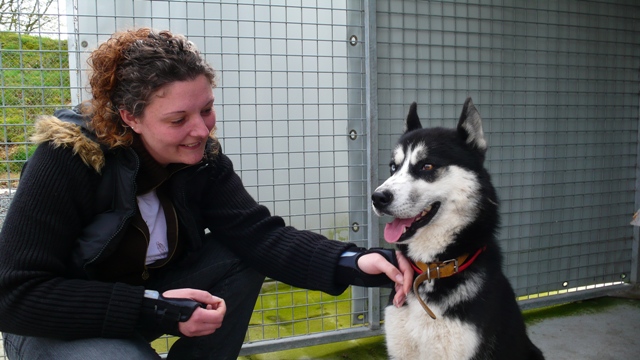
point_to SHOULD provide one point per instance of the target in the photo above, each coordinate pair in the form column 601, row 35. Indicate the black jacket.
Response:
column 68, row 213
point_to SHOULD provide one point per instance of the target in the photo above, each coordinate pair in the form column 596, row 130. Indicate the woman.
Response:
column 130, row 222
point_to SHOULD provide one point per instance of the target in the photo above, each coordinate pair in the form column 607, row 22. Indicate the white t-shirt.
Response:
column 153, row 214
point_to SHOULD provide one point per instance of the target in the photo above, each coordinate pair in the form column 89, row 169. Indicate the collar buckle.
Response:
column 441, row 265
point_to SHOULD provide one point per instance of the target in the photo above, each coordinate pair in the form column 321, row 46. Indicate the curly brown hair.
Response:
column 129, row 68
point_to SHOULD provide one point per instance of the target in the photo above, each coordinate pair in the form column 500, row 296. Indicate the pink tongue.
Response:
column 394, row 229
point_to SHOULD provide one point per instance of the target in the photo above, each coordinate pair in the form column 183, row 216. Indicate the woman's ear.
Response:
column 129, row 119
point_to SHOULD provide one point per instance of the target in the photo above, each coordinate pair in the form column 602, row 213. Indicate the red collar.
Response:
column 454, row 264
column 438, row 270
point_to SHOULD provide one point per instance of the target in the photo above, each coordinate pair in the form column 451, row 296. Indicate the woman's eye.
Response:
column 427, row 167
column 177, row 121
column 207, row 111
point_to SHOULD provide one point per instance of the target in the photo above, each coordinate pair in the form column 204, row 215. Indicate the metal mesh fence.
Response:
column 307, row 86
column 34, row 80
column 556, row 84
column 286, row 99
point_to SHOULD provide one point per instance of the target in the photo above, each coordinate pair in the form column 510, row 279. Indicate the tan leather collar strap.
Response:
column 438, row 270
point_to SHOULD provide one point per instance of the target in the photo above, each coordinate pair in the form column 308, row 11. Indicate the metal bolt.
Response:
column 84, row 43
column 353, row 134
column 353, row 40
column 355, row 227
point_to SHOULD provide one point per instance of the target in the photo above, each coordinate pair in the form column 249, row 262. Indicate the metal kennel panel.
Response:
column 291, row 110
column 286, row 100
column 556, row 83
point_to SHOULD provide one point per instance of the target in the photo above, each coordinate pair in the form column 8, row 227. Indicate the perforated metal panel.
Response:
column 557, row 86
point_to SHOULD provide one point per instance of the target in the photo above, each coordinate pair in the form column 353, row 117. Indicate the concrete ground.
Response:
column 612, row 333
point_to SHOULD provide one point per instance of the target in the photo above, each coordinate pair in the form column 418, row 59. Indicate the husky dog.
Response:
column 445, row 212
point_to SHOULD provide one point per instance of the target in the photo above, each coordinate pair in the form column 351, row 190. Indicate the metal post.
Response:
column 371, row 89
column 635, row 248
column 357, row 155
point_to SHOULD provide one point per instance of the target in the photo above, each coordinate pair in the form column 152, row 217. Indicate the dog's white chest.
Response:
column 412, row 334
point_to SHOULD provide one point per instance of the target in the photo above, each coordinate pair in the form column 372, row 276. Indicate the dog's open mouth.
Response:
column 402, row 229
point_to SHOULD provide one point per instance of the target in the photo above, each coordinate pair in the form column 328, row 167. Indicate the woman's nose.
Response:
column 200, row 128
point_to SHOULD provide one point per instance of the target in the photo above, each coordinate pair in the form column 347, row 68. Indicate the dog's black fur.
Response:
column 477, row 307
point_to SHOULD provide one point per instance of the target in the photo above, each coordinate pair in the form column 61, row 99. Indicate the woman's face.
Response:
column 176, row 123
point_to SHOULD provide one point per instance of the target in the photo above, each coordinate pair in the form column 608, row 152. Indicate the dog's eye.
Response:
column 427, row 167
column 393, row 168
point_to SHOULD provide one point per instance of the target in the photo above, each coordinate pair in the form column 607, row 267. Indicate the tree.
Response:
column 26, row 16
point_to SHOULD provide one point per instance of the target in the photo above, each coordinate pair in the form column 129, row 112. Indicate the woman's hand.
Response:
column 376, row 264
column 202, row 321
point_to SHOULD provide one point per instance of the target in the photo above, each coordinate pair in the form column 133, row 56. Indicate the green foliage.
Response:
column 14, row 130
column 16, row 41
column 35, row 73
column 20, row 154
column 34, row 80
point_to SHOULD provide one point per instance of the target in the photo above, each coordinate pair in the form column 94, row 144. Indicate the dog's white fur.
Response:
column 445, row 339
column 405, row 326
column 456, row 190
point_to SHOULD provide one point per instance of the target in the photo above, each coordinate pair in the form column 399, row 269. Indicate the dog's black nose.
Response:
column 382, row 199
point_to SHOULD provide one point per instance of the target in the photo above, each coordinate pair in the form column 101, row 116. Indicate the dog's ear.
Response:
column 413, row 121
column 470, row 127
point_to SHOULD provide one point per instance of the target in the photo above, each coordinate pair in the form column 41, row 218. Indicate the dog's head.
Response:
column 438, row 183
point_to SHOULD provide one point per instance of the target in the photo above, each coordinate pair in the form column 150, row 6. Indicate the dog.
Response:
column 445, row 212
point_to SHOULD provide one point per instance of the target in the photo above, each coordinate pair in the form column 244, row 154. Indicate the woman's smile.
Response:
column 177, row 122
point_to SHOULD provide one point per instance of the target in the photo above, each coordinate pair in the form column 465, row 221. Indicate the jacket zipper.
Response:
column 145, row 271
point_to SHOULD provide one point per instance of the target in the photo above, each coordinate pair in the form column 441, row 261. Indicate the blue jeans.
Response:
column 217, row 270
column 36, row 348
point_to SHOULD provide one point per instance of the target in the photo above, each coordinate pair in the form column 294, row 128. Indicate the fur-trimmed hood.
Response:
column 70, row 129
column 69, row 134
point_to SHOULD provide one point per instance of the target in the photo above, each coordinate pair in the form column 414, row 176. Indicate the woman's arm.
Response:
column 41, row 294
column 300, row 258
